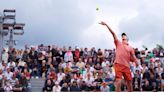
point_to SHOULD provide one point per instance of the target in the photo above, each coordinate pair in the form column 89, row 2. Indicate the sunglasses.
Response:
column 125, row 39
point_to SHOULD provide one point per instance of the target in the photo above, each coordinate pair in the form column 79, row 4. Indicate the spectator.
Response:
column 44, row 69
column 109, row 79
column 25, row 56
column 159, row 69
column 11, row 65
column 100, row 54
column 1, row 74
column 68, row 55
column 106, row 54
column 136, row 84
column 48, row 86
column 162, row 81
column 8, row 74
column 56, row 87
column 104, row 88
column 74, row 68
column 80, row 64
column 89, row 81
column 105, row 63
column 8, row 86
column 52, row 75
column 21, row 64
column 60, row 75
column 83, row 86
column 86, row 69
column 13, row 80
column 17, row 87
column 147, row 86
column 67, row 68
column 23, row 81
column 98, row 79
column 74, row 87
column 66, row 79
column 65, row 87
column 85, row 53
column 81, row 52
column 98, row 67
column 27, row 74
column 5, row 56
column 93, row 52
column 76, row 54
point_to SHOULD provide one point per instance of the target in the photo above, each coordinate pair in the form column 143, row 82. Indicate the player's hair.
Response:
column 123, row 34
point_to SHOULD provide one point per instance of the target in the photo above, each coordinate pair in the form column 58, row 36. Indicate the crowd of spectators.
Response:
column 77, row 69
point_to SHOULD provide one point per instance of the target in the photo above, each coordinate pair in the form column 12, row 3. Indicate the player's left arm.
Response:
column 134, row 58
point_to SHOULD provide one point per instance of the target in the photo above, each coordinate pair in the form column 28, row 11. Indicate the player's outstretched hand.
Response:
column 102, row 23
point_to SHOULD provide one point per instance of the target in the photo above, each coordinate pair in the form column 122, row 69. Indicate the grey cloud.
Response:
column 56, row 21
column 147, row 26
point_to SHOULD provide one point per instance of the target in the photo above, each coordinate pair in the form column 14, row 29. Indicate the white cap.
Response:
column 107, row 62
column 76, row 47
column 56, row 82
column 156, row 58
column 43, row 61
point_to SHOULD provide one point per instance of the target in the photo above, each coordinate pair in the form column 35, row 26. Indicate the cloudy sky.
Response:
column 75, row 22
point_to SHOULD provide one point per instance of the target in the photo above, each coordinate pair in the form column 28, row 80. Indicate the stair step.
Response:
column 37, row 85
column 36, row 89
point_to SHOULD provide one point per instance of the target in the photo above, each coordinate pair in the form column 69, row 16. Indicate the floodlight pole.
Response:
column 11, row 41
column 11, row 27
column 1, row 37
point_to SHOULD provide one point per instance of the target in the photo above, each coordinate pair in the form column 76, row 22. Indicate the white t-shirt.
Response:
column 11, row 64
column 8, row 75
column 92, row 69
column 144, row 68
column 1, row 66
column 104, row 63
column 56, row 88
column 105, row 89
column 159, row 70
column 106, row 54
column 5, row 57
column 21, row 63
column 60, row 76
column 70, row 64
column 63, row 65
column 89, row 82
column 111, row 75
column 8, row 88
column 13, row 82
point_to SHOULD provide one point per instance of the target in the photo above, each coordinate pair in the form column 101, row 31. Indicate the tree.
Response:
column 159, row 47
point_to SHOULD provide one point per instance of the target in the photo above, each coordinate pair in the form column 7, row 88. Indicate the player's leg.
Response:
column 117, row 84
column 129, row 85
column 128, row 79
column 118, row 77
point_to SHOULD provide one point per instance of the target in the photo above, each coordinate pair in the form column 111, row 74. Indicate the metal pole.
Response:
column 1, row 37
column 11, row 41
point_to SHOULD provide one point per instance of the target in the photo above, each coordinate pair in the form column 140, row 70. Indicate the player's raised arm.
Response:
column 111, row 31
